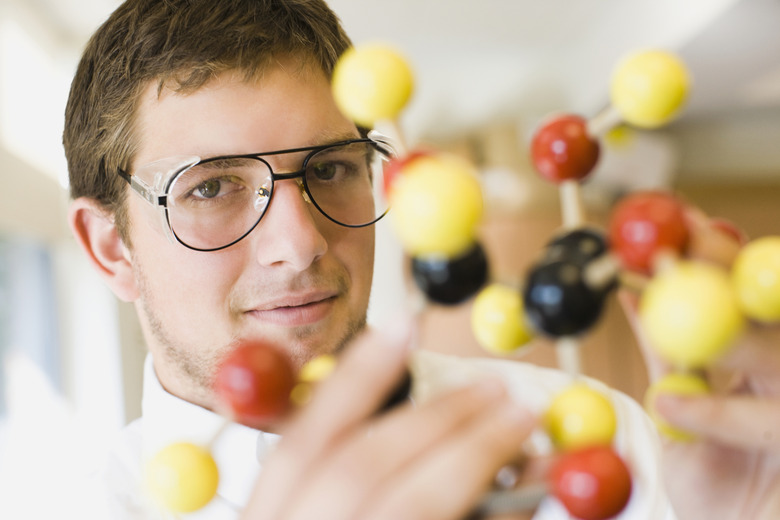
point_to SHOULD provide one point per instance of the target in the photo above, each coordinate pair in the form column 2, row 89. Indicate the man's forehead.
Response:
column 230, row 114
column 191, row 80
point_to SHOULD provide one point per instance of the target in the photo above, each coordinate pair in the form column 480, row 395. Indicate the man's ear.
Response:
column 97, row 235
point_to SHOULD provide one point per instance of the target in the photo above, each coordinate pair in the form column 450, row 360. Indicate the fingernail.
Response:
column 695, row 217
column 730, row 229
column 671, row 402
column 490, row 388
column 516, row 414
column 397, row 331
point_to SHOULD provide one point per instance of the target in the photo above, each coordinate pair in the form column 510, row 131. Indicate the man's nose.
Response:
column 288, row 234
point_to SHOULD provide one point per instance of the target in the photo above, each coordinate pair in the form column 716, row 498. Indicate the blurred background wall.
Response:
column 487, row 73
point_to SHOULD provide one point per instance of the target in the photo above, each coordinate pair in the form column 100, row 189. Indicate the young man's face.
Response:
column 298, row 279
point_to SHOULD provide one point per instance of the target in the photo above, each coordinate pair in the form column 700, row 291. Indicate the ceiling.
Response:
column 481, row 59
column 476, row 61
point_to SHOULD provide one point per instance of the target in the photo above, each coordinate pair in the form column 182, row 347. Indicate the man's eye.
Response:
column 325, row 171
column 215, row 189
column 209, row 189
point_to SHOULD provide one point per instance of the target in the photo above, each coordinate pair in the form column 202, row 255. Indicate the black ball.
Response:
column 450, row 281
column 557, row 300
column 580, row 246
column 584, row 246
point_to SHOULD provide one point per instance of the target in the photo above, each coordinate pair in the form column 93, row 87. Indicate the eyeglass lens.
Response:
column 219, row 201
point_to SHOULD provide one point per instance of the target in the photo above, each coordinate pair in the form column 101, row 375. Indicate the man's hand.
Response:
column 732, row 470
column 339, row 460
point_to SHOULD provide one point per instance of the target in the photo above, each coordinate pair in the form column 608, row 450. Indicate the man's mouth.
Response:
column 295, row 310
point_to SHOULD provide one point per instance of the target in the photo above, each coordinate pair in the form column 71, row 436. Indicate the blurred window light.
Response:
column 45, row 447
column 28, row 313
column 59, row 408
column 33, row 92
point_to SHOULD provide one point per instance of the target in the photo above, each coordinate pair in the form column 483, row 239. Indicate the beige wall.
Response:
column 31, row 203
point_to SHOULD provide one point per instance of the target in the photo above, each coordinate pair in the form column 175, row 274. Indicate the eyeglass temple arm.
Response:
column 384, row 142
column 142, row 189
column 163, row 170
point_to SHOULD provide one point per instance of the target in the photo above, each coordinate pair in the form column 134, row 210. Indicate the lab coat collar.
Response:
column 237, row 449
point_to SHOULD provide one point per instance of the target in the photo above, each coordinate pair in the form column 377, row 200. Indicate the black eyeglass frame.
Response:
column 157, row 195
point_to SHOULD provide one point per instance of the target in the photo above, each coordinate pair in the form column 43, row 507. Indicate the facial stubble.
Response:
column 196, row 368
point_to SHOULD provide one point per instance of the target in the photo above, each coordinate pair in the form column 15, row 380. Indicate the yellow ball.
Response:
column 311, row 373
column 318, row 368
column 676, row 384
column 182, row 477
column 436, row 205
column 372, row 83
column 649, row 88
column 302, row 393
column 756, row 279
column 690, row 314
column 497, row 320
column 579, row 417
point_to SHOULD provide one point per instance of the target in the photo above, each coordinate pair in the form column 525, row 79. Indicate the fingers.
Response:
column 360, row 383
column 376, row 451
column 339, row 460
column 708, row 241
column 741, row 421
column 367, row 372
column 748, row 415
column 456, row 472
column 757, row 352
column 629, row 301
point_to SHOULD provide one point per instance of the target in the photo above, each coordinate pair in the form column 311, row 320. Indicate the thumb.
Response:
column 629, row 302
column 741, row 421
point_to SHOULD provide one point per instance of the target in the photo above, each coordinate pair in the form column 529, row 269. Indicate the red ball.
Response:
column 395, row 167
column 592, row 484
column 254, row 383
column 562, row 149
column 645, row 223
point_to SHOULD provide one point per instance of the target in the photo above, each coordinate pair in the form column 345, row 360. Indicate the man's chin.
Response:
column 305, row 343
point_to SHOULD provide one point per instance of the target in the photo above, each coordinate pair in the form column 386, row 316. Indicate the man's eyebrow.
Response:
column 326, row 138
column 221, row 163
column 322, row 139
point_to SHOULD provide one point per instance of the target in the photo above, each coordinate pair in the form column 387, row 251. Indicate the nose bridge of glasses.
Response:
column 263, row 194
column 286, row 163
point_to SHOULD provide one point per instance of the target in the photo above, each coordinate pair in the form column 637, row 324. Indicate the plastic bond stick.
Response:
column 604, row 121
column 567, row 351
column 572, row 208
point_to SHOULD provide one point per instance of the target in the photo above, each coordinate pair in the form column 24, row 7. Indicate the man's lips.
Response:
column 295, row 310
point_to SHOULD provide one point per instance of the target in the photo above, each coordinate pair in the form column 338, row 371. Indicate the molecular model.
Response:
column 692, row 311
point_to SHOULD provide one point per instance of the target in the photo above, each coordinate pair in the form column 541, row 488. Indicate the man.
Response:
column 181, row 208
column 206, row 79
